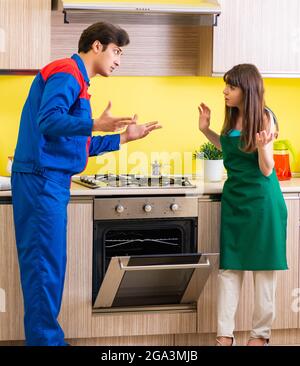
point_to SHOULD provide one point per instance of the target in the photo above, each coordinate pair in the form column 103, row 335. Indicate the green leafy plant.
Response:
column 208, row 151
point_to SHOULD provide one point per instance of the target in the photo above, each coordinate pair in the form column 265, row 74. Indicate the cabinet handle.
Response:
column 166, row 266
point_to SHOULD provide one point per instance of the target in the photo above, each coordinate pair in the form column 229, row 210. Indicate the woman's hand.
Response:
column 204, row 123
column 265, row 152
column 263, row 138
column 204, row 117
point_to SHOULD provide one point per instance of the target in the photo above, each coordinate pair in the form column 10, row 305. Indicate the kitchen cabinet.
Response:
column 76, row 317
column 75, row 314
column 11, row 314
column 24, row 34
column 287, row 281
column 160, row 45
column 209, row 219
column 265, row 33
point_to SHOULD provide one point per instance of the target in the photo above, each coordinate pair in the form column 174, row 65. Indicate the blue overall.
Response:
column 54, row 143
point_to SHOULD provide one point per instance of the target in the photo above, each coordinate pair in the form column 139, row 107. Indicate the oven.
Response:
column 145, row 254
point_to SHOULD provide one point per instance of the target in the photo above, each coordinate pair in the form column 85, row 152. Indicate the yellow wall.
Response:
column 171, row 100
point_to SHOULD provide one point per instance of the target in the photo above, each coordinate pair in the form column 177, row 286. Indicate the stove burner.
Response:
column 133, row 181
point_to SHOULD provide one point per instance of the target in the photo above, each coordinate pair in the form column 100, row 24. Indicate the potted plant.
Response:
column 213, row 162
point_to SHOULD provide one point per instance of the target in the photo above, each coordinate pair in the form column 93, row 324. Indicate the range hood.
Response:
column 208, row 7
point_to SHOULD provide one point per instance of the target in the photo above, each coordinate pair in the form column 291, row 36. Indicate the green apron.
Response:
column 253, row 214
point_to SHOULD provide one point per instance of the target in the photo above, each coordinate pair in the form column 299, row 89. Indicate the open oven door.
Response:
column 154, row 282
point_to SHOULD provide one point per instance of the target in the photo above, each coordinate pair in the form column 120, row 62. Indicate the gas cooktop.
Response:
column 133, row 181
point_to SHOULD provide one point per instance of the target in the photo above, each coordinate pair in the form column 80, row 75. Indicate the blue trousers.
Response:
column 40, row 216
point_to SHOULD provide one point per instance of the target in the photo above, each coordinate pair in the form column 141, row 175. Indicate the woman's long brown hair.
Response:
column 248, row 78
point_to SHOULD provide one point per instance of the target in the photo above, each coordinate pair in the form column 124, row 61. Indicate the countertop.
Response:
column 290, row 186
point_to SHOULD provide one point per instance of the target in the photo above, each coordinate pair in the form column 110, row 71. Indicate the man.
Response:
column 54, row 143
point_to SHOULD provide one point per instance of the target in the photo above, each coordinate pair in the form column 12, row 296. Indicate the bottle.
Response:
column 155, row 168
column 281, row 159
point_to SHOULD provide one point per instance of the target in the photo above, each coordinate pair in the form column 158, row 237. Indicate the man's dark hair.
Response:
column 105, row 33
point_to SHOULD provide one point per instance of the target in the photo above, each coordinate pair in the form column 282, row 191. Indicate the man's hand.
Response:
column 107, row 123
column 136, row 132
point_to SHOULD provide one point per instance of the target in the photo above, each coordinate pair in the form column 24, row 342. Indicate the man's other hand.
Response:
column 136, row 132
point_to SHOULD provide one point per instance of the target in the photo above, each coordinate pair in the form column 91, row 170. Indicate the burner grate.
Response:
column 133, row 181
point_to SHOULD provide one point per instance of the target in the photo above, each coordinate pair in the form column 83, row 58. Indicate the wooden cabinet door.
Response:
column 24, row 33
column 75, row 315
column 263, row 32
column 288, row 281
column 11, row 300
column 76, row 312
column 209, row 220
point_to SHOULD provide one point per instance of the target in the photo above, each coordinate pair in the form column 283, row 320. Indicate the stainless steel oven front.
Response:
column 145, row 254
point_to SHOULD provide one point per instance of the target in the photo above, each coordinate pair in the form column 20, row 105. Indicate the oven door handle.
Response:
column 165, row 266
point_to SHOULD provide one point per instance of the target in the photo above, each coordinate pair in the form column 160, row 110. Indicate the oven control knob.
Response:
column 119, row 208
column 147, row 208
column 174, row 207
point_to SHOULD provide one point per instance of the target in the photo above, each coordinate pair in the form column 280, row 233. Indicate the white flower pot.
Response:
column 213, row 170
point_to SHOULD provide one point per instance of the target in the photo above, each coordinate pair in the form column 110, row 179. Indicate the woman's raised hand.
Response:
column 263, row 138
column 204, row 117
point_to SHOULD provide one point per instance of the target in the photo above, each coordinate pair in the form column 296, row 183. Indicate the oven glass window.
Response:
column 154, row 287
